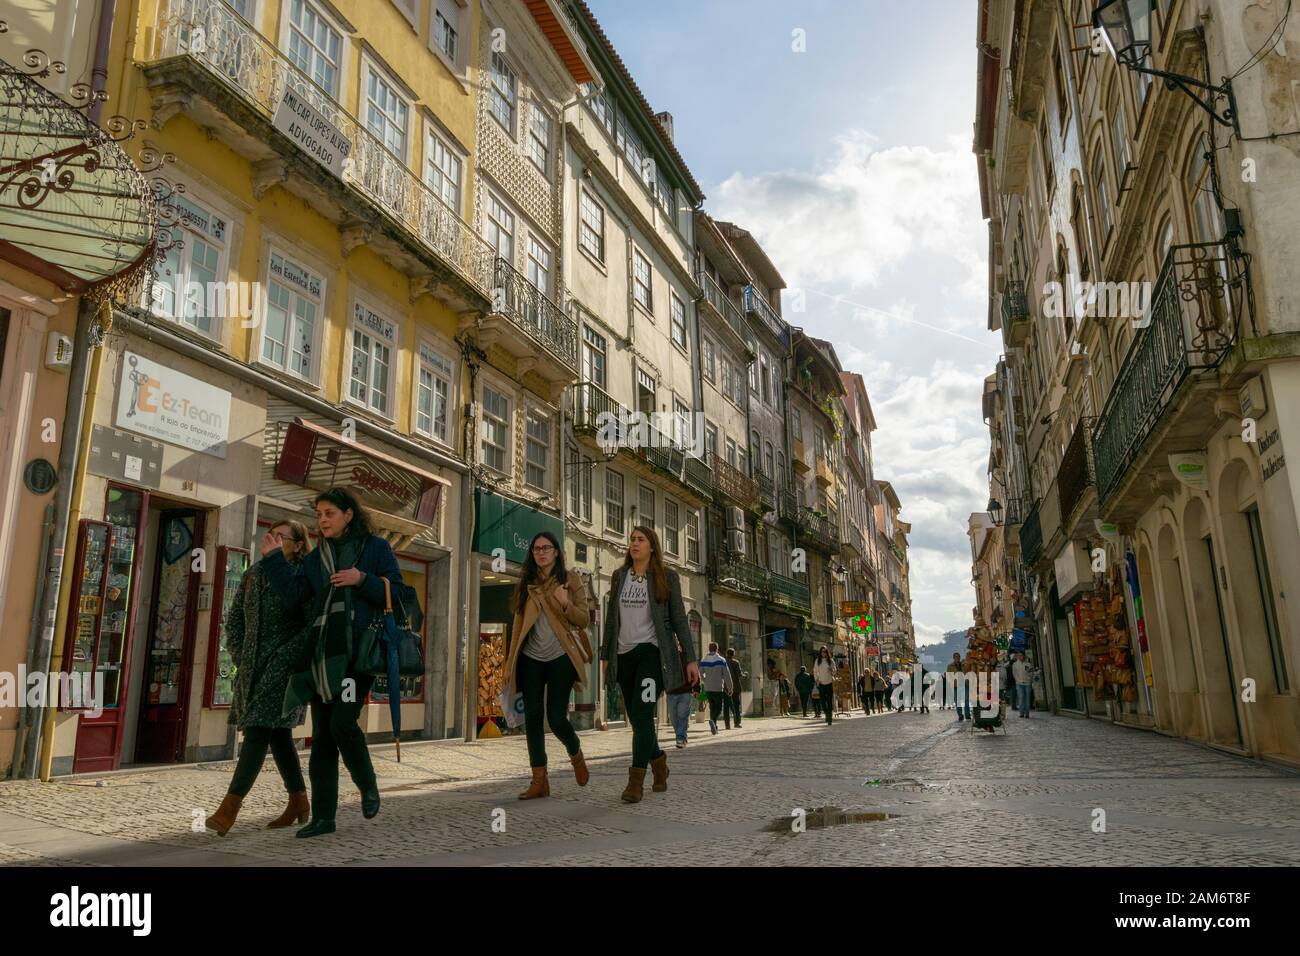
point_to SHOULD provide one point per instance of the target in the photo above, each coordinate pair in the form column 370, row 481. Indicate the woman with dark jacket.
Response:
column 339, row 588
column 265, row 641
column 647, row 647
column 547, row 657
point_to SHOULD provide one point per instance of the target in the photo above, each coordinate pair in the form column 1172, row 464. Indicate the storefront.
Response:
column 735, row 626
column 782, row 642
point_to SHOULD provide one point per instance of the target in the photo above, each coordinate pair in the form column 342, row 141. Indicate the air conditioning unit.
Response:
column 736, row 542
column 736, row 517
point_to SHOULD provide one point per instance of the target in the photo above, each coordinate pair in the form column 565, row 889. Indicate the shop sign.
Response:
column 509, row 525
column 778, row 639
column 854, row 608
column 873, row 650
column 311, row 131
column 1189, row 468
column 163, row 403
column 1270, row 450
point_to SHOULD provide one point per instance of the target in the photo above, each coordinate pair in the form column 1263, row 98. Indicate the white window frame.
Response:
column 638, row 257
column 507, row 423
column 426, row 349
column 580, row 499
column 287, row 28
column 692, row 532
column 537, row 145
column 532, row 415
column 589, row 348
column 533, row 265
column 707, row 359
column 371, row 68
column 676, row 305
column 410, row 11
column 374, row 325
column 642, row 491
column 277, row 249
column 495, row 92
column 222, row 222
column 671, row 537
column 586, row 198
column 489, row 223
column 435, row 176
column 621, row 504
column 457, row 63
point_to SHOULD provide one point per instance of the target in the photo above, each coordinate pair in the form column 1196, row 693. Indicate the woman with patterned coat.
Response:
column 265, row 640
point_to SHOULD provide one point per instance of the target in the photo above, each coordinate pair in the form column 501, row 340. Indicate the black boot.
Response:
column 370, row 802
column 316, row 828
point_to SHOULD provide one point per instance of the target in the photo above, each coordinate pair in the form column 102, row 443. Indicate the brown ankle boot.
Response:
column 298, row 811
column 659, row 768
column 635, row 782
column 580, row 772
column 224, row 818
column 540, row 787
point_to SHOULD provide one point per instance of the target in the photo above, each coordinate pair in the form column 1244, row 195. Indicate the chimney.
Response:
column 666, row 121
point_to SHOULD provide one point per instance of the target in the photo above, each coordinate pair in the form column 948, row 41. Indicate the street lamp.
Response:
column 1126, row 27
column 995, row 510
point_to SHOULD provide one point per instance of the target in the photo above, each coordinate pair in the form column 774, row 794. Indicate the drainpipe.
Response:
column 33, row 630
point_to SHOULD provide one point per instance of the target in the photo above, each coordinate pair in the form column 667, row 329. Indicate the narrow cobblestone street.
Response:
column 953, row 798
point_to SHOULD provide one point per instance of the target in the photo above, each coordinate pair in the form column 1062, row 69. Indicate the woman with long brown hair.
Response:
column 548, row 655
column 647, row 647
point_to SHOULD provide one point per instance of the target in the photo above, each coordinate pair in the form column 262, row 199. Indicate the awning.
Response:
column 74, row 208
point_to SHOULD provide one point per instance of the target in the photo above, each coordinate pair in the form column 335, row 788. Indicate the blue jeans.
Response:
column 1022, row 698
column 679, row 710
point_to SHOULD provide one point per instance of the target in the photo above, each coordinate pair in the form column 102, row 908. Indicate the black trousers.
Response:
column 732, row 707
column 257, row 740
column 639, row 677
column 717, row 705
column 826, row 697
column 804, row 700
column 334, row 732
column 546, row 686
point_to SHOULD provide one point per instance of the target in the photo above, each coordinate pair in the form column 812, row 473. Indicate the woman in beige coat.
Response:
column 548, row 655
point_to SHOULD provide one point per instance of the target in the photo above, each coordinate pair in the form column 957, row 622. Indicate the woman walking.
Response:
column 265, row 643
column 647, row 647
column 548, row 655
column 824, row 675
column 340, row 589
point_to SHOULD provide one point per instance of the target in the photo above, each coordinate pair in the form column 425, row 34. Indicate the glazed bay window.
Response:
column 373, row 339
column 495, row 434
column 672, row 522
column 641, row 291
column 293, row 304
column 615, row 514
column 184, row 290
column 677, row 318
column 591, row 226
column 443, row 171
column 537, row 451
column 433, row 394
column 539, row 139
column 645, row 509
column 504, row 91
column 314, row 47
column 387, row 114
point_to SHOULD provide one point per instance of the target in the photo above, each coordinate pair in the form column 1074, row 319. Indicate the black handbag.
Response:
column 385, row 632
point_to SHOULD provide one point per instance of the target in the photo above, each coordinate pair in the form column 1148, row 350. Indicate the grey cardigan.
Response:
column 670, row 621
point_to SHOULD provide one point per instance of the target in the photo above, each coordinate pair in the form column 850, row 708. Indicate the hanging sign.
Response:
column 311, row 131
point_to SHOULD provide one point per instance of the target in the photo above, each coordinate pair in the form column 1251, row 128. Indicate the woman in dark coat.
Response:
column 265, row 641
column 339, row 588
column 647, row 647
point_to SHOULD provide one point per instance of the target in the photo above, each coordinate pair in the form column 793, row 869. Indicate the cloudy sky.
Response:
column 851, row 161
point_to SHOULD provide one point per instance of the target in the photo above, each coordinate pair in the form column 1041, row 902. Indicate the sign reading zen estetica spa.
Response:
column 162, row 403
column 311, row 131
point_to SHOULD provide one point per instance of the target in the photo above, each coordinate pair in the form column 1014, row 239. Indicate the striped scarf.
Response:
column 331, row 643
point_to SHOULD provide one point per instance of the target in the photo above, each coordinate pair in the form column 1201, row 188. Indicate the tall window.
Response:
column 539, row 265
column 373, row 338
column 693, row 535
column 727, row 388
column 706, row 359
column 1119, row 134
column 645, row 511
column 433, row 394
column 503, row 91
column 593, row 356
column 591, row 226
column 769, row 461
column 386, row 113
column 711, row 439
column 293, row 301
column 677, row 313
column 496, row 430
column 762, row 377
column 444, row 35
column 315, row 47
column 442, row 171
column 1049, row 168
column 192, row 265
column 501, row 229
column 1103, row 196
column 796, row 424
column 641, row 290
column 538, row 450
column 1206, row 224
column 580, row 486
column 672, row 522
column 539, row 139
column 1077, row 224
column 615, row 515
column 1262, row 576
column 682, row 423
column 1062, row 102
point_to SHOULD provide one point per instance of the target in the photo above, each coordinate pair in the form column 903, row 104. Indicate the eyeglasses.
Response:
column 543, row 548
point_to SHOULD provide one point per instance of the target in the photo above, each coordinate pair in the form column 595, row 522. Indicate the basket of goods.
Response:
column 491, row 676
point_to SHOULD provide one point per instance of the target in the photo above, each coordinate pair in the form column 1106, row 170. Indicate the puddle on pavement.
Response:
column 819, row 818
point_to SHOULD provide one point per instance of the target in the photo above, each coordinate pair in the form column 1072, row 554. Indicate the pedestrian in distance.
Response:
column 716, row 676
column 1024, row 677
column 339, row 588
column 803, row 685
column 647, row 647
column 863, row 695
column 265, row 640
column 548, row 656
column 824, row 675
column 925, row 708
column 958, row 686
column 783, row 693
column 733, row 700
column 681, row 703
column 879, row 688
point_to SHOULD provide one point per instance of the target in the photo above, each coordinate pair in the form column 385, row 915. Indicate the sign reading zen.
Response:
column 315, row 135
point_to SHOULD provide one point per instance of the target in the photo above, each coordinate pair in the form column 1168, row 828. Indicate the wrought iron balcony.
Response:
column 594, row 410
column 733, row 484
column 766, row 492
column 1015, row 311
column 1196, row 310
column 1076, row 474
column 535, row 314
column 738, row 574
column 397, row 212
column 788, row 506
column 1031, row 537
column 821, row 531
column 789, row 593
column 699, row 476
column 721, row 303
column 756, row 305
column 1013, row 513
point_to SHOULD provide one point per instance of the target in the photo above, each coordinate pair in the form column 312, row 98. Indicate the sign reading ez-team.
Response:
column 315, row 135
column 162, row 403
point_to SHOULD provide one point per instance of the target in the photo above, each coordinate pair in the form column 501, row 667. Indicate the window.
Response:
column 445, row 37
column 693, row 536
column 185, row 291
column 539, row 266
column 501, row 229
column 1119, row 136
column 593, row 356
column 591, row 226
column 664, row 193
column 603, row 108
column 1206, row 225
column 769, row 461
column 537, row 451
column 645, row 509
column 1103, row 196
column 1062, row 102
column 1165, row 243
column 706, row 359
column 386, row 113
column 671, row 527
column 1265, row 581
column 496, row 430
column 1077, row 225
column 819, row 443
column 739, row 381
column 677, row 313
column 1049, row 170
column 373, row 338
column 580, row 487
column 753, row 378
column 796, row 424
column 614, row 514
column 503, row 92
column 711, row 439
column 433, row 394
column 645, row 392
column 727, row 388
column 780, row 470
column 732, row 452
column 314, row 46
column 641, row 280
column 1037, row 207
column 442, row 170
column 293, row 300
column 762, row 376
column 626, row 139
column 539, row 139
column 755, row 454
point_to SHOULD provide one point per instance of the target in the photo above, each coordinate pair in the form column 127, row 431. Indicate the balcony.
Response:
column 788, row 506
column 825, row 475
column 1161, row 401
column 596, row 413
column 733, row 484
column 766, row 492
column 822, row 531
column 725, row 310
column 549, row 345
column 862, row 572
column 211, row 65
column 738, row 574
column 789, row 593
column 1031, row 537
column 800, row 460
column 1077, row 475
column 1015, row 312
column 699, row 476
column 758, row 308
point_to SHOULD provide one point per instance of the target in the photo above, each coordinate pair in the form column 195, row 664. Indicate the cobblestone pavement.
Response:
column 938, row 793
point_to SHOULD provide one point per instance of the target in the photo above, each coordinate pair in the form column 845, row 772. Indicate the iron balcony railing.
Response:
column 788, row 505
column 1200, row 299
column 722, row 304
column 730, row 482
column 757, row 305
column 739, row 574
column 1015, row 307
column 789, row 592
column 596, row 412
column 534, row 313
column 1031, row 537
column 821, row 530
column 213, row 34
column 1013, row 511
column 766, row 491
column 1077, row 472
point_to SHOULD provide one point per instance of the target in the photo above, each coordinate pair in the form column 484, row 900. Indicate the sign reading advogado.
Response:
column 162, row 403
column 311, row 131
